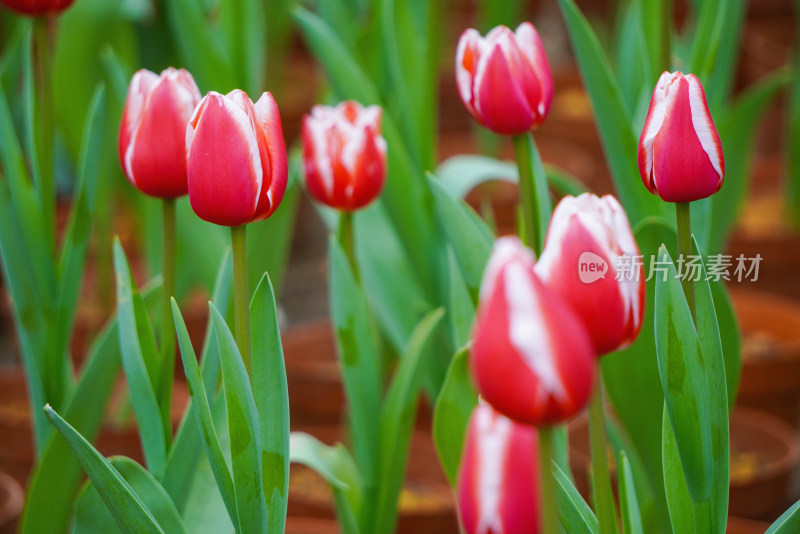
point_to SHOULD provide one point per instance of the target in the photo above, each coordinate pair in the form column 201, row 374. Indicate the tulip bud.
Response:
column 152, row 136
column 680, row 154
column 504, row 79
column 38, row 7
column 531, row 357
column 591, row 259
column 344, row 155
column 237, row 159
column 498, row 479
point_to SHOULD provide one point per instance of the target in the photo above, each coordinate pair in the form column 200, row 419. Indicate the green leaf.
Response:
column 679, row 501
column 92, row 515
column 629, row 504
column 57, row 474
column 272, row 400
column 202, row 415
column 189, row 445
column 731, row 339
column 243, row 24
column 359, row 357
column 575, row 515
column 457, row 399
column 683, row 380
column 244, row 430
column 471, row 240
column 461, row 309
column 338, row 468
column 134, row 361
column 787, row 523
column 397, row 420
column 613, row 119
column 128, row 511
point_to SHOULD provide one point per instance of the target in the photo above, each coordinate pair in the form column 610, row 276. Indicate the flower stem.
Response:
column 547, row 482
column 533, row 194
column 45, row 136
column 601, row 479
column 241, row 293
column 347, row 241
column 685, row 251
column 167, row 337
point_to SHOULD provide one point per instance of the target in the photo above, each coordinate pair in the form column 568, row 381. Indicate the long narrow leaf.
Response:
column 788, row 523
column 244, row 430
column 628, row 503
column 575, row 515
column 129, row 512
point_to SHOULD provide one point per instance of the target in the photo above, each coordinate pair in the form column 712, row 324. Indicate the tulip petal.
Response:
column 140, row 87
column 224, row 164
column 276, row 176
column 498, row 99
column 467, row 54
column 704, row 126
column 531, row 47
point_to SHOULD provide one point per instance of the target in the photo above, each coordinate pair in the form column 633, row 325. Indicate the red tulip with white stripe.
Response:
column 152, row 137
column 680, row 154
column 344, row 155
column 38, row 7
column 531, row 357
column 584, row 231
column 237, row 158
column 504, row 79
column 498, row 479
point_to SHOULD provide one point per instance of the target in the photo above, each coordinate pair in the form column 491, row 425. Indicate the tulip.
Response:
column 531, row 357
column 152, row 137
column 498, row 477
column 504, row 79
column 38, row 7
column 587, row 231
column 680, row 154
column 344, row 155
column 237, row 159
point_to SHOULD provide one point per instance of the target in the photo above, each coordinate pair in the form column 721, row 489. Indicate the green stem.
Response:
column 666, row 37
column 167, row 337
column 45, row 136
column 241, row 293
column 532, row 192
column 601, row 478
column 348, row 242
column 547, row 485
column 685, row 251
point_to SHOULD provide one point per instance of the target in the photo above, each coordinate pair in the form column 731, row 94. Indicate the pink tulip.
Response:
column 504, row 79
column 532, row 358
column 237, row 159
column 152, row 137
column 498, row 488
column 38, row 7
column 591, row 259
column 680, row 154
column 344, row 155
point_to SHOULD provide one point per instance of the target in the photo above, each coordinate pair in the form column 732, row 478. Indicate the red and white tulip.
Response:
column 590, row 231
column 344, row 155
column 531, row 358
column 237, row 158
column 504, row 78
column 498, row 479
column 152, row 137
column 680, row 154
column 38, row 7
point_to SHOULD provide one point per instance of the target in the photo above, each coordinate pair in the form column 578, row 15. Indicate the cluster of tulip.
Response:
column 540, row 327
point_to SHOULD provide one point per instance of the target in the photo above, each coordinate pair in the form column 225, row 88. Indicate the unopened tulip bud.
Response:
column 237, row 158
column 532, row 358
column 591, row 259
column 152, row 137
column 680, row 154
column 504, row 78
column 498, row 479
column 344, row 155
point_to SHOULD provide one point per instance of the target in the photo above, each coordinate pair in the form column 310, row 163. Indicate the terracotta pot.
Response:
column 316, row 396
column 764, row 454
column 426, row 503
column 310, row 525
column 737, row 525
column 770, row 354
column 11, row 500
column 118, row 436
